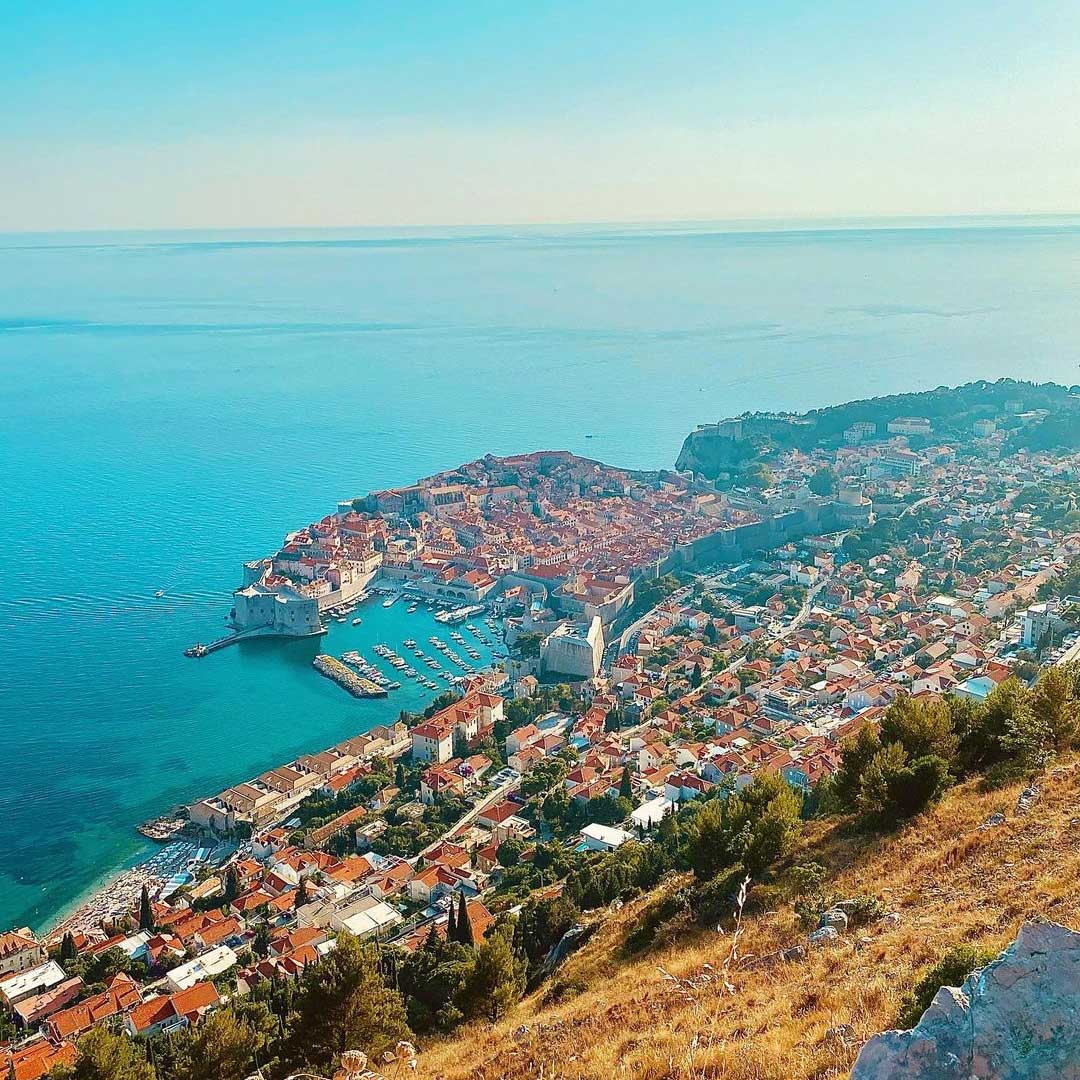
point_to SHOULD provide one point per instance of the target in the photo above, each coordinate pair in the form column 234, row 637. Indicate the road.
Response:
column 467, row 819
column 636, row 625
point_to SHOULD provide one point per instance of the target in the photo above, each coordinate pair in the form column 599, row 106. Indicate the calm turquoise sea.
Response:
column 171, row 404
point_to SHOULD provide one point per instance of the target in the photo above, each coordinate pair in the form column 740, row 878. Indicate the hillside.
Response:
column 949, row 882
column 1036, row 416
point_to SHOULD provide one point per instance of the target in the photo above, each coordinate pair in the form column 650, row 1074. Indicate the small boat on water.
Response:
column 160, row 593
column 356, row 622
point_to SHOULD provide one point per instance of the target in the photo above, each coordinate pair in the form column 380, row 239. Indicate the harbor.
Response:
column 394, row 660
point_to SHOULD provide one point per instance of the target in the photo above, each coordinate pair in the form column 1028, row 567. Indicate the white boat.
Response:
column 356, row 622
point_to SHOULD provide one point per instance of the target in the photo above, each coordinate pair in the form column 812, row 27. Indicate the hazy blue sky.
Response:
column 148, row 114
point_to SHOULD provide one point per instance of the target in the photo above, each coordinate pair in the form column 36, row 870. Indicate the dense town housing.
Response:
column 945, row 567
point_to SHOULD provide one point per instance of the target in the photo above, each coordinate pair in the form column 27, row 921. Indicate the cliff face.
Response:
column 1018, row 1017
column 714, row 450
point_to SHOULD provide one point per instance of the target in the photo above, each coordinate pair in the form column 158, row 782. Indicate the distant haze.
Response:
column 123, row 116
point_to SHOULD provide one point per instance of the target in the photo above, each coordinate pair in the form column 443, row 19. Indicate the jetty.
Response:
column 199, row 649
column 163, row 829
column 334, row 669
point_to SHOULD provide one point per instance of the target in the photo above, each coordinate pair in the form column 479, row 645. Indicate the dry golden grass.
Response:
column 949, row 882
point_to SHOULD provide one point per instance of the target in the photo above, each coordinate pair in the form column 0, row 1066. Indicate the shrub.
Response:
column 564, row 989
column 715, row 900
column 951, row 970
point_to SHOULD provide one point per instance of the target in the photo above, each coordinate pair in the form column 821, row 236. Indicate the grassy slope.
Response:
column 950, row 883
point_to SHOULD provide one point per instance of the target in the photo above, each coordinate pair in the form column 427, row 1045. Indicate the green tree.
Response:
column 855, row 754
column 613, row 720
column 542, row 924
column 67, row 947
column 951, row 970
column 343, row 1004
column 695, row 675
column 626, row 787
column 894, row 788
column 232, row 885
column 823, row 482
column 229, row 1044
column 1054, row 703
column 432, row 979
column 464, row 923
column 146, row 911
column 985, row 727
column 510, row 852
column 104, row 1055
column 496, row 980
column 755, row 827
column 922, row 725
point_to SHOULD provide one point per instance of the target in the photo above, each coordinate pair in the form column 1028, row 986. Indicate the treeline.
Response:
column 924, row 744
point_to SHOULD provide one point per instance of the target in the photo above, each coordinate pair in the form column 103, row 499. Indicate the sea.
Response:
column 173, row 403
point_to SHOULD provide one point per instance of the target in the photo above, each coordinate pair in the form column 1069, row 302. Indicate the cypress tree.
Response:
column 451, row 925
column 146, row 911
column 67, row 947
column 464, row 925
column 626, row 789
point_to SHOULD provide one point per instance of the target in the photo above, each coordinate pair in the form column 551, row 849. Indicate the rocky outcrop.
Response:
column 1016, row 1019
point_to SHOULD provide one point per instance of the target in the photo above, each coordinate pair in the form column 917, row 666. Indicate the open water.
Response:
column 171, row 404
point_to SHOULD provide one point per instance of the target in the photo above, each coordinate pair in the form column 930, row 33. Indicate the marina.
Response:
column 358, row 686
column 394, row 662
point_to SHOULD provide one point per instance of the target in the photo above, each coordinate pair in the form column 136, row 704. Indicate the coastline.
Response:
column 116, row 889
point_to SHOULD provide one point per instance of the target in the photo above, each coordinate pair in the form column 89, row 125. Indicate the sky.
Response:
column 240, row 114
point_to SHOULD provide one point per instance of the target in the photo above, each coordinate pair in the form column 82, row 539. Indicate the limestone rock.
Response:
column 834, row 917
column 1019, row 1017
column 1028, row 797
column 827, row 935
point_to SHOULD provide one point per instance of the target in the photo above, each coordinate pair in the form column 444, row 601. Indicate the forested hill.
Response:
column 1036, row 416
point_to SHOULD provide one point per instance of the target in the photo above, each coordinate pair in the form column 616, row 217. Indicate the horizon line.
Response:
column 796, row 223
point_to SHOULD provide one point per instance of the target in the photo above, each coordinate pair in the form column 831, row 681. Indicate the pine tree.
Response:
column 146, row 911
column 104, row 1055
column 464, row 924
column 496, row 981
column 399, row 775
column 344, row 1004
column 432, row 941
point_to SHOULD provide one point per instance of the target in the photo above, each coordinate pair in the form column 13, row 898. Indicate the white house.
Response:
column 603, row 837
